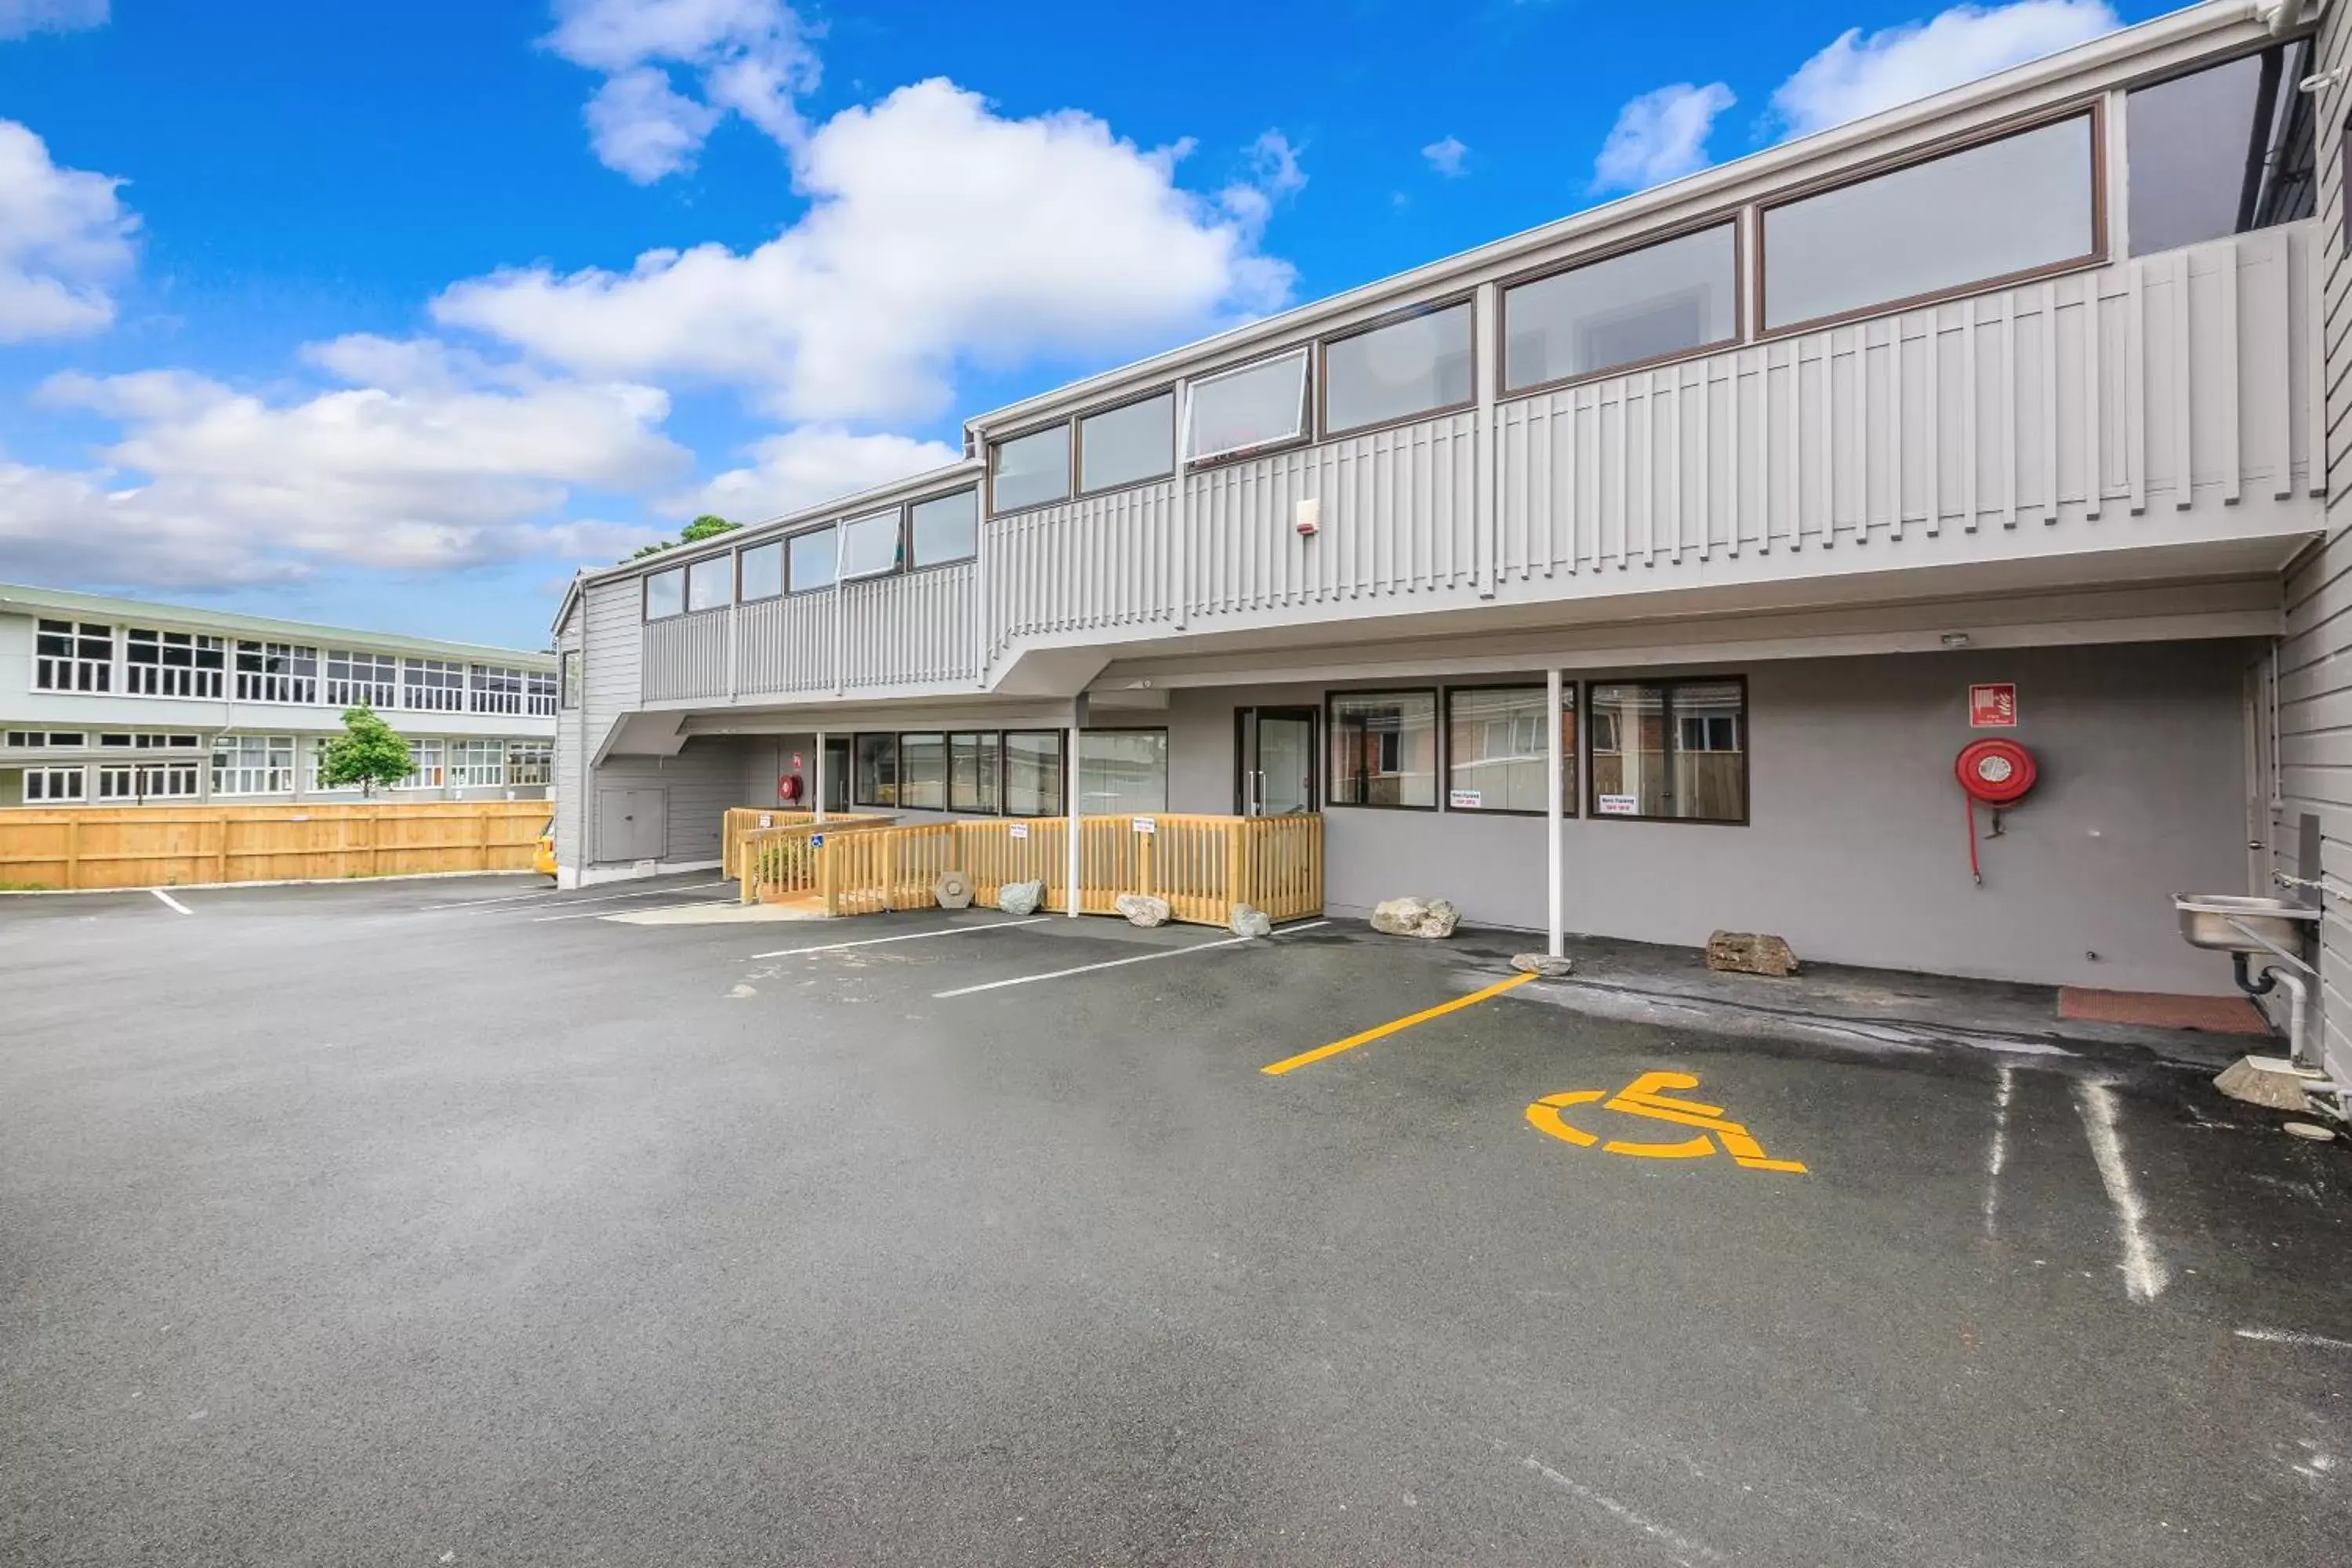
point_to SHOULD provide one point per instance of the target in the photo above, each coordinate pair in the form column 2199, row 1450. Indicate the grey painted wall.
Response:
column 698, row 786
column 1856, row 850
column 2314, row 681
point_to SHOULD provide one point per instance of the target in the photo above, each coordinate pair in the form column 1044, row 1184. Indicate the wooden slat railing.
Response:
column 779, row 862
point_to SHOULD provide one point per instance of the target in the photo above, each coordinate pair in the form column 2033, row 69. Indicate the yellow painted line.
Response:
column 1277, row 1068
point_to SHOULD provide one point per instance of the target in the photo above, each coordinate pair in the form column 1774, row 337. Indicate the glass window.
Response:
column 362, row 679
column 1983, row 213
column 1666, row 299
column 1384, row 748
column 426, row 757
column 572, row 676
column 277, row 673
column 707, row 584
column 70, row 656
column 876, row 769
column 539, row 693
column 923, row 772
column 665, row 595
column 494, row 688
column 812, row 560
column 1674, row 750
column 763, row 572
column 54, row 783
column 946, row 529
column 175, row 664
column 530, row 762
column 433, row 685
column 971, row 773
column 1394, row 371
column 1033, row 773
column 153, row 781
column 1497, row 749
column 253, row 765
column 1128, row 445
column 2220, row 151
column 1122, row 772
column 1030, row 470
column 869, row 544
column 1260, row 404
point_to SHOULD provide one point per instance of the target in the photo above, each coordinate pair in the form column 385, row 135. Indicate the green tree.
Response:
column 368, row 752
column 706, row 526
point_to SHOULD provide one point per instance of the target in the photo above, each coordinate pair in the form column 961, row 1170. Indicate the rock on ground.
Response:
column 952, row 891
column 1143, row 909
column 1415, row 917
column 1746, row 953
column 1248, row 922
column 1020, row 897
column 1542, row 964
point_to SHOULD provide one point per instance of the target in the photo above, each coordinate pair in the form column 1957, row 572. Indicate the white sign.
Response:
column 1020, row 830
column 1465, row 799
column 1145, row 825
column 766, row 821
column 1620, row 806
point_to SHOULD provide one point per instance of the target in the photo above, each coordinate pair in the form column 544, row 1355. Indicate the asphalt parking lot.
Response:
column 444, row 1222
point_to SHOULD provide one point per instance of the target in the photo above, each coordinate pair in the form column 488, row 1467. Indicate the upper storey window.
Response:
column 1261, row 404
column 666, row 593
column 2027, row 202
column 1417, row 365
column 945, row 528
column 811, row 559
column 708, row 583
column 869, row 544
column 1668, row 298
column 1030, row 470
column 762, row 572
column 1128, row 444
column 2220, row 151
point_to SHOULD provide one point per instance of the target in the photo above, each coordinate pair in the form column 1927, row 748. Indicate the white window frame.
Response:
column 429, row 756
column 539, row 693
column 45, row 740
column 57, row 785
column 864, row 523
column 494, row 688
column 132, row 783
column 205, row 675
column 235, row 773
column 79, row 668
column 1303, row 423
column 289, row 682
column 442, row 692
column 356, row 679
column 477, row 764
column 530, row 763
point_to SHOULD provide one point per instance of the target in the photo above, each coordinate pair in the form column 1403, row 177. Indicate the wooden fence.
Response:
column 779, row 862
column 175, row 846
column 1203, row 866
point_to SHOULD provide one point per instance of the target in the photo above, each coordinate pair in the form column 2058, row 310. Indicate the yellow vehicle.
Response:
column 542, row 854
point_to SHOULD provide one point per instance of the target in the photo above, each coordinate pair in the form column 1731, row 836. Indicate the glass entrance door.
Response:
column 1275, row 748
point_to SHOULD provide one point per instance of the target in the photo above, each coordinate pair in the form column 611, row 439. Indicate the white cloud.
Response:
column 750, row 58
column 21, row 18
column 64, row 237
column 939, row 234
column 209, row 486
column 1446, row 156
column 807, row 465
column 1660, row 136
column 1860, row 74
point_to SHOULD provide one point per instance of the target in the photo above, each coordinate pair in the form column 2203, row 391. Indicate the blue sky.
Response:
column 392, row 316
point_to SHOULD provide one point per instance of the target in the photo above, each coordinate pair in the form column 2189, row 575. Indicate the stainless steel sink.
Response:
column 2213, row 920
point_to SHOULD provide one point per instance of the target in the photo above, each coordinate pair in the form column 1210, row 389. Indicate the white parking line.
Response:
column 2145, row 1274
column 603, row 915
column 1116, row 963
column 174, row 902
column 903, row 936
column 568, row 899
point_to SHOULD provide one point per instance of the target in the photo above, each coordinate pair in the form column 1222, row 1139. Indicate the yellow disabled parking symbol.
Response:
column 1643, row 1098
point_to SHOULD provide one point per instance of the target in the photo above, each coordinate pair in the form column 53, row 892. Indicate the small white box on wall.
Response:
column 1309, row 515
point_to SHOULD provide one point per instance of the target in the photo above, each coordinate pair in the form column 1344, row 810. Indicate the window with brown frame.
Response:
column 1671, row 751
column 1128, row 444
column 1419, row 365
column 1236, row 412
column 1030, row 470
column 2018, row 204
column 1383, row 749
column 2220, row 151
column 1498, row 749
column 1677, row 296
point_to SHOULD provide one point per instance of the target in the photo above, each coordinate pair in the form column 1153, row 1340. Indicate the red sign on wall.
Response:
column 1993, row 706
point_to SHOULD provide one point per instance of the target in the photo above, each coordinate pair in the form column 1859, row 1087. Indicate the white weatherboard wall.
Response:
column 2313, row 684
column 1855, row 849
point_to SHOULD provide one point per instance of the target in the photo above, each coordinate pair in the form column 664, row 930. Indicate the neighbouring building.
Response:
column 114, row 702
column 1741, row 505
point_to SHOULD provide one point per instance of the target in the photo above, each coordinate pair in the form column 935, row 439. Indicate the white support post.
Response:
column 820, row 776
column 1070, row 799
column 1555, row 773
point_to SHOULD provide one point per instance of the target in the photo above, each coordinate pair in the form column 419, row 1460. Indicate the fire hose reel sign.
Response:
column 1993, row 706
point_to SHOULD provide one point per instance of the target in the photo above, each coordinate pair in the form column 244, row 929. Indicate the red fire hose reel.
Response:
column 1997, row 772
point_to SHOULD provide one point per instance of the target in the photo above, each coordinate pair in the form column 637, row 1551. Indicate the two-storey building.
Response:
column 113, row 702
column 1640, row 574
